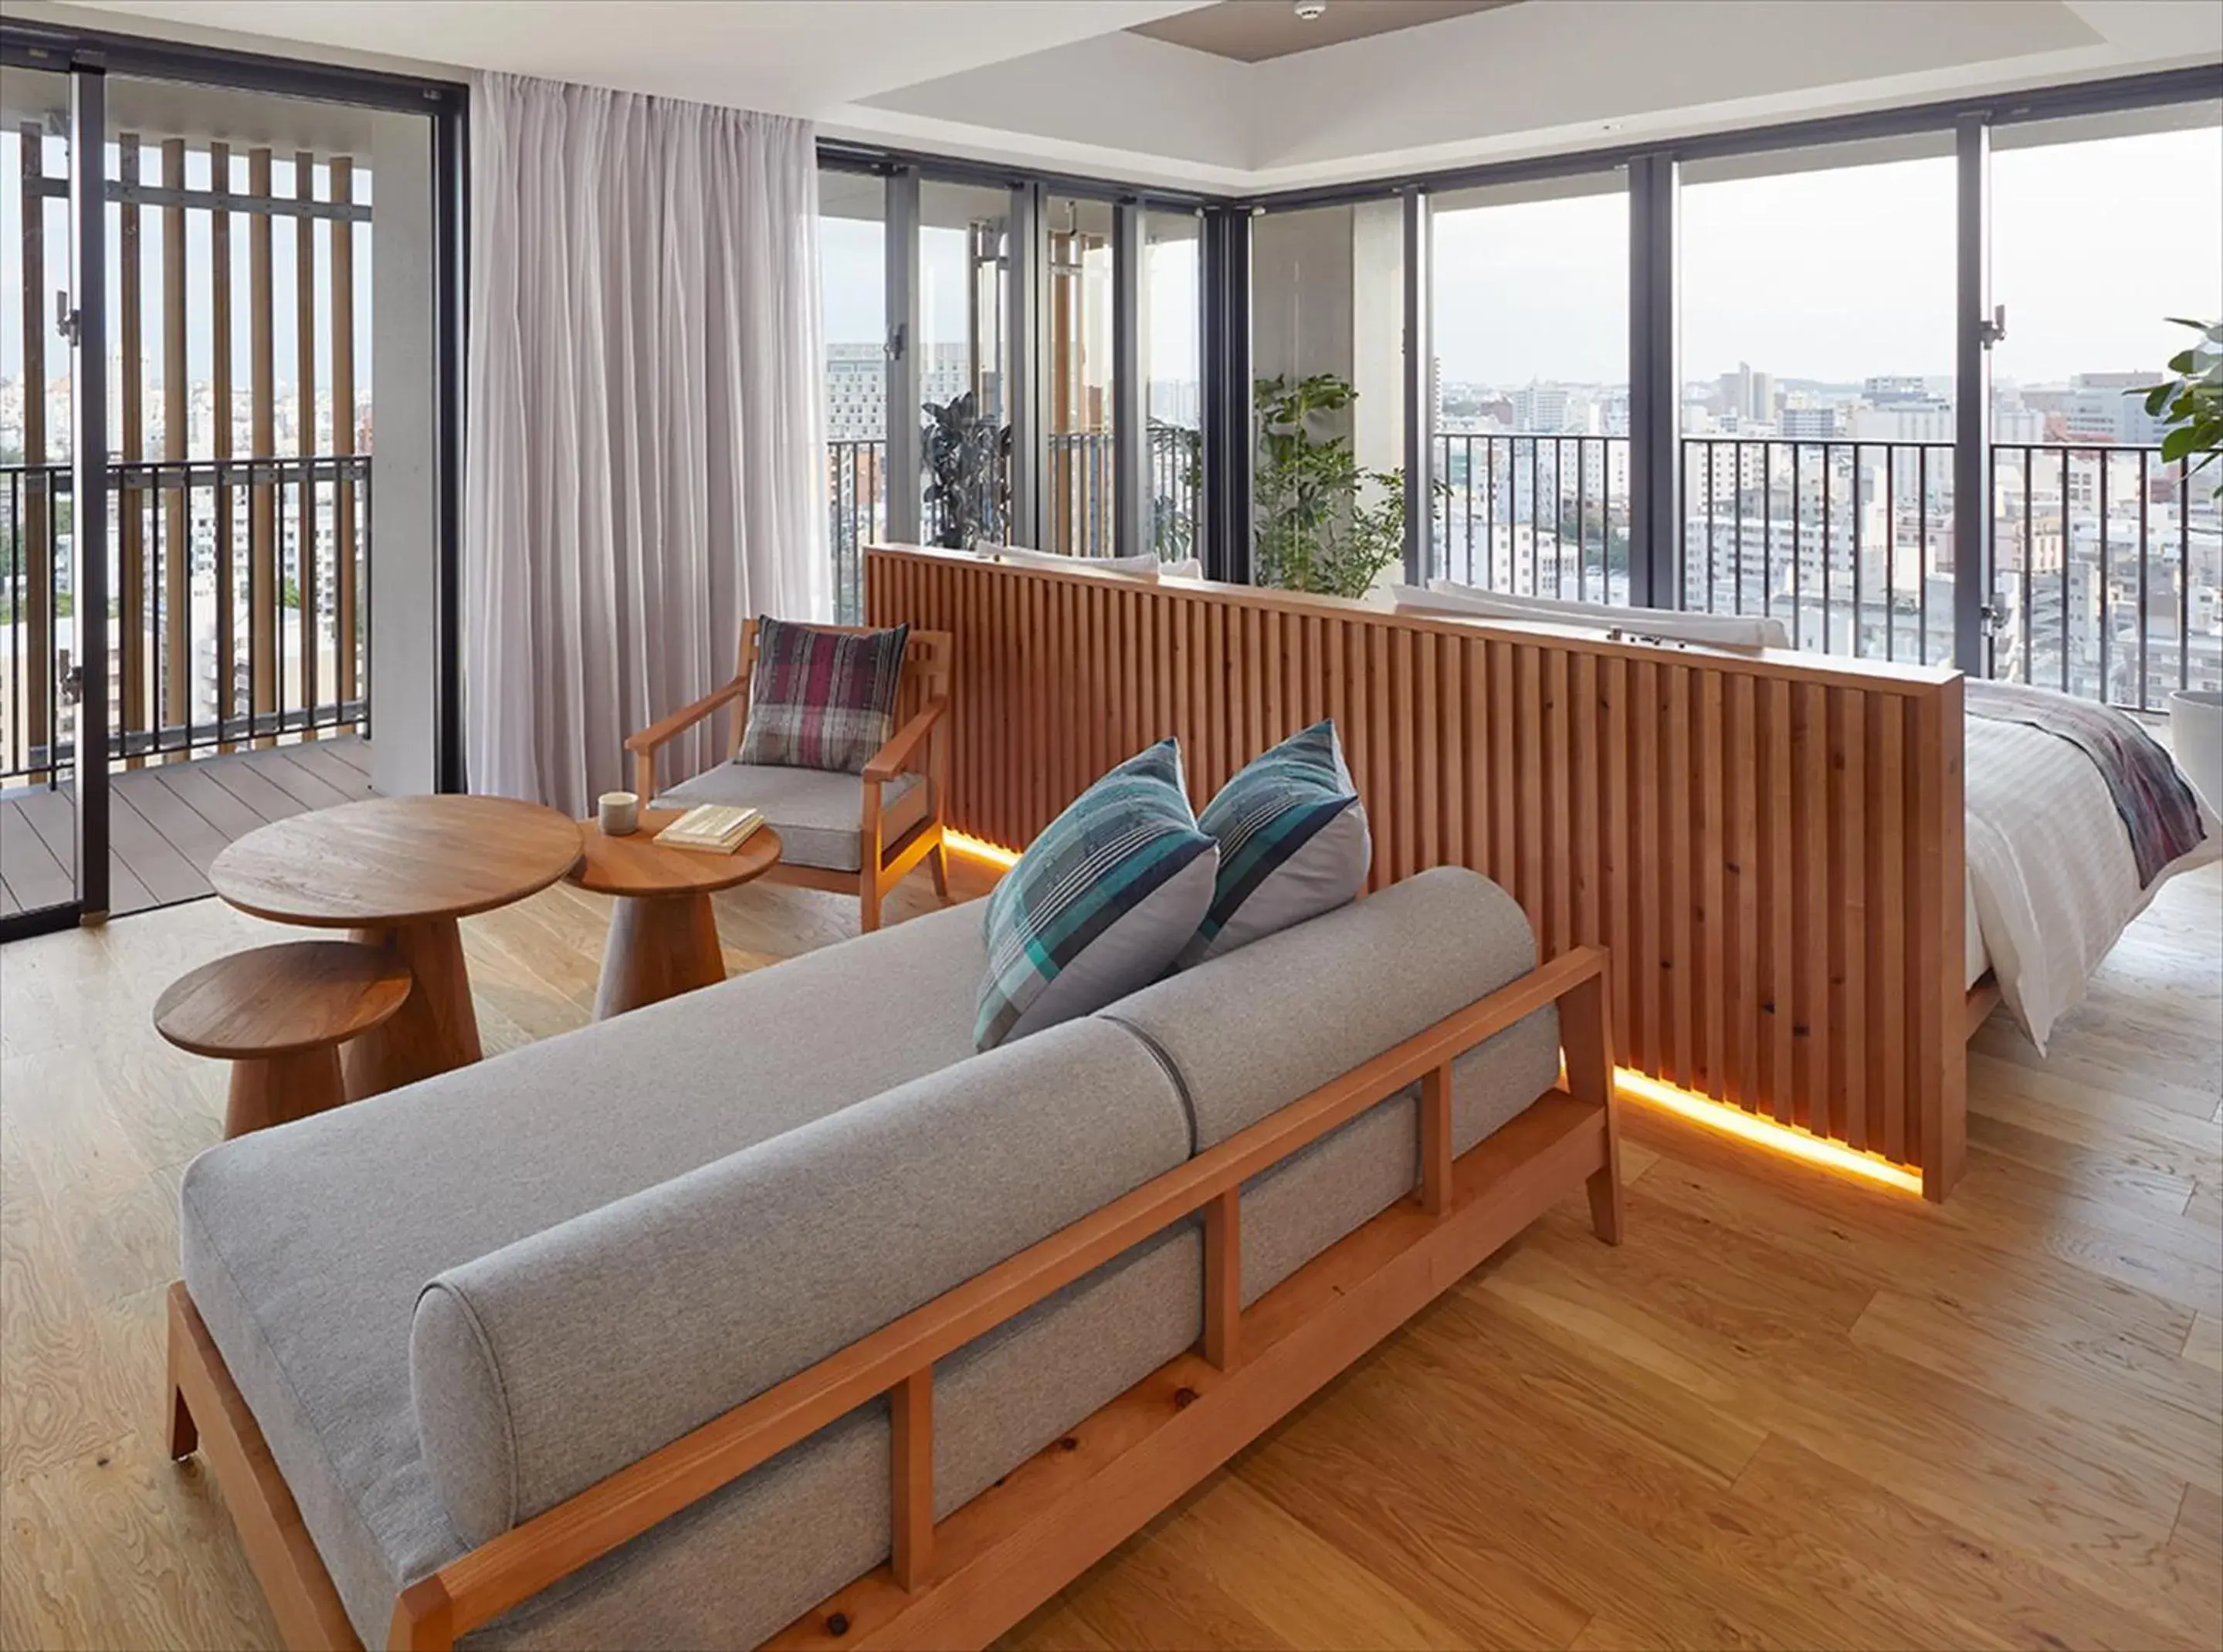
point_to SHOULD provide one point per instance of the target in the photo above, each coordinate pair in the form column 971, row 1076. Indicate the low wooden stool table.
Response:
column 399, row 872
column 663, row 937
column 279, row 1015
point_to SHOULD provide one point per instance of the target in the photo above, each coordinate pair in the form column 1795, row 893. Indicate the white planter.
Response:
column 2196, row 732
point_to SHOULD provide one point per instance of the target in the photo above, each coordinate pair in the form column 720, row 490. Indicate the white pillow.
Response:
column 1716, row 630
column 1188, row 567
column 1140, row 567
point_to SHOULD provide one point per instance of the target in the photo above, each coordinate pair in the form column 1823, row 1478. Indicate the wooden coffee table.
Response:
column 664, row 936
column 279, row 1015
column 399, row 872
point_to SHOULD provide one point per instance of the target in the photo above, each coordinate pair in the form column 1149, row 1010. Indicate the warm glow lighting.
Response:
column 1766, row 1133
column 980, row 849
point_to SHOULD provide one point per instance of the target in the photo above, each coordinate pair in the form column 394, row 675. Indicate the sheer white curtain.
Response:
column 645, row 435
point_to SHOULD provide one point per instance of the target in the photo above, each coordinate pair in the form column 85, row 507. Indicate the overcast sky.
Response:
column 1834, row 275
column 1840, row 274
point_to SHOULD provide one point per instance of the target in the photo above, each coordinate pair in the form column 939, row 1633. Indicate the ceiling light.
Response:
column 1311, row 10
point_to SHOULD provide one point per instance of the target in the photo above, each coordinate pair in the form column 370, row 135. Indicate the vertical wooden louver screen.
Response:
column 1771, row 849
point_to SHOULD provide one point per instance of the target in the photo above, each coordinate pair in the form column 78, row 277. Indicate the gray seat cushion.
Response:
column 545, row 1365
column 305, row 1246
column 818, row 812
column 1253, row 1030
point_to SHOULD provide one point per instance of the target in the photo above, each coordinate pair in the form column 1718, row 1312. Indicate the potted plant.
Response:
column 1323, row 523
column 968, row 472
column 2189, row 404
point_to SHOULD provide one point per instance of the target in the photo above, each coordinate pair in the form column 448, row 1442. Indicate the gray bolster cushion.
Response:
column 548, row 1365
column 1254, row 1029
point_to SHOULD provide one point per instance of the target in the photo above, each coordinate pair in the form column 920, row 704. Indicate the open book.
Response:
column 719, row 827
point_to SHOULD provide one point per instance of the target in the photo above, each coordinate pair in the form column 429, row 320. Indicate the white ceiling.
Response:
column 1062, row 84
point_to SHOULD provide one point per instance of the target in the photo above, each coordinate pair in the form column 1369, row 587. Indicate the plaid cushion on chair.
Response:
column 1099, row 904
column 821, row 699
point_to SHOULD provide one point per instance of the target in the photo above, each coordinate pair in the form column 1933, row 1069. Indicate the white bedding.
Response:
column 2052, row 884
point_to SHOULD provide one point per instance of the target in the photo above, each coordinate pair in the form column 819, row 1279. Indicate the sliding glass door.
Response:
column 1530, row 285
column 2107, row 558
column 52, row 622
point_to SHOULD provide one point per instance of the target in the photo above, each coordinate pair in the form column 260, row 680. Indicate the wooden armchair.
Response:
column 899, row 800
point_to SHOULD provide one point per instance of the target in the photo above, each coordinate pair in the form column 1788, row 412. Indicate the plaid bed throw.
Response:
column 1117, row 844
column 821, row 699
column 2158, row 810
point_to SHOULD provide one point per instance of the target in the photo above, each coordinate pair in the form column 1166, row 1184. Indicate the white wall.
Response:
column 404, row 470
column 1327, row 295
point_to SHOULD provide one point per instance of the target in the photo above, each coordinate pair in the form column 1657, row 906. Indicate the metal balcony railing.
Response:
column 239, row 608
column 2106, row 560
column 1080, row 481
column 2107, row 573
column 857, row 514
column 1537, row 515
column 1849, row 544
column 2108, row 563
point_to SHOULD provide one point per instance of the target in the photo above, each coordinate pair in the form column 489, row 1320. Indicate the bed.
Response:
column 1776, row 848
column 2052, row 880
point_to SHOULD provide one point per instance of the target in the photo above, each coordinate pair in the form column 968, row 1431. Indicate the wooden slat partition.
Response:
column 226, row 637
column 262, row 508
column 38, row 567
column 1770, row 844
column 342, row 308
column 176, row 705
column 305, row 363
column 130, row 505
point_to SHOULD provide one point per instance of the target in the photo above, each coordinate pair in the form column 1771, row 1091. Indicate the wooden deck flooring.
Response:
column 167, row 821
column 1791, row 1409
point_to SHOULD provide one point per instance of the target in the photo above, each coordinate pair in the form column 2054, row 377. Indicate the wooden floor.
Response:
column 167, row 821
column 1793, row 1410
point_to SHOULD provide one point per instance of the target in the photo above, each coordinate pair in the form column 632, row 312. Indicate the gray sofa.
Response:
column 454, row 1305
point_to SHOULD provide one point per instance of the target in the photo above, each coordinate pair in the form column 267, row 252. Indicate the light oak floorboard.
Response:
column 1790, row 1410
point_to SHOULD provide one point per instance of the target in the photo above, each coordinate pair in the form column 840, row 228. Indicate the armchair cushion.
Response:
column 818, row 814
column 821, row 699
column 1100, row 903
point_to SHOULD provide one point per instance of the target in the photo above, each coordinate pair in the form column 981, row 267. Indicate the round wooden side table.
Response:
column 664, row 936
column 279, row 1015
column 399, row 872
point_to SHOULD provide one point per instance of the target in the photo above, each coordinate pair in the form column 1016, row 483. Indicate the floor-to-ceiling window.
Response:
column 964, row 364
column 2107, row 561
column 1816, row 294
column 853, row 315
column 1079, row 497
column 1171, row 357
column 1530, row 399
column 38, row 615
column 1327, row 348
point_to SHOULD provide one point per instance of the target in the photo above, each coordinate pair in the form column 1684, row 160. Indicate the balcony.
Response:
column 2107, row 561
column 1080, row 486
column 239, row 626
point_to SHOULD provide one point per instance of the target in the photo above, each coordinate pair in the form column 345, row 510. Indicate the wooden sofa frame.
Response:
column 922, row 707
column 962, row 1580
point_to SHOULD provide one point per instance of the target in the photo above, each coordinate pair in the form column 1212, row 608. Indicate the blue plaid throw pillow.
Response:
column 1293, row 843
column 1100, row 902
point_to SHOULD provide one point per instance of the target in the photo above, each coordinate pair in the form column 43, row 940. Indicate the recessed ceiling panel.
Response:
column 1251, row 31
